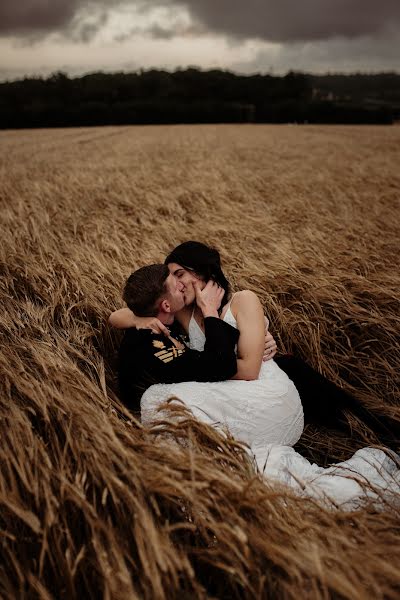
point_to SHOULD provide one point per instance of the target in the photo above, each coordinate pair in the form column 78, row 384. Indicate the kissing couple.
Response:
column 188, row 336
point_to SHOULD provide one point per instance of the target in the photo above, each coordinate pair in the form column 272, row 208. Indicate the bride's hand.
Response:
column 270, row 346
column 209, row 298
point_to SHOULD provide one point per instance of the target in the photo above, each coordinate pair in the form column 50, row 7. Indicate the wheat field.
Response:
column 92, row 504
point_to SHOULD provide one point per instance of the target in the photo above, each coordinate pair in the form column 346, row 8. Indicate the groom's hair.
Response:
column 144, row 288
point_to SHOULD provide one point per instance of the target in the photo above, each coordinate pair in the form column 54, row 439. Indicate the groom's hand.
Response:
column 270, row 346
column 209, row 298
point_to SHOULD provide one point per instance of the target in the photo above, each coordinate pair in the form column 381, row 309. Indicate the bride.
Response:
column 261, row 405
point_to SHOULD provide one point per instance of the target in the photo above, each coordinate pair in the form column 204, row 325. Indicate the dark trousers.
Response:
column 324, row 402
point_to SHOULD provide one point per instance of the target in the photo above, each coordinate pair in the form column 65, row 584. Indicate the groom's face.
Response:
column 175, row 293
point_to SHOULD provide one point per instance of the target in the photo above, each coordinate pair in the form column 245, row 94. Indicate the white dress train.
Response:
column 369, row 476
column 267, row 415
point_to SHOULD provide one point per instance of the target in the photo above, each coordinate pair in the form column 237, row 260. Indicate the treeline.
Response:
column 195, row 96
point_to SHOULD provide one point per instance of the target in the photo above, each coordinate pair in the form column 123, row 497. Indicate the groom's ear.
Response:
column 165, row 306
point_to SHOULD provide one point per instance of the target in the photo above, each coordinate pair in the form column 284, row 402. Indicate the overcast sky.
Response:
column 38, row 37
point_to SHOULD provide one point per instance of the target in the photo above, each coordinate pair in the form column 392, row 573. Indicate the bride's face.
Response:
column 187, row 277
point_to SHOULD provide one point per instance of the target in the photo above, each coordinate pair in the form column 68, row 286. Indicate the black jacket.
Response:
column 146, row 358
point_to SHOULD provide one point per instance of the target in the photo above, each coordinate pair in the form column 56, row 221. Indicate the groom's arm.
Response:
column 217, row 362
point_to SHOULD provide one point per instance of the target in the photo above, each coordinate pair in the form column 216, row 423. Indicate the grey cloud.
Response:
column 77, row 19
column 154, row 31
column 294, row 20
column 175, row 30
column 27, row 16
column 269, row 20
column 84, row 29
column 364, row 54
column 158, row 32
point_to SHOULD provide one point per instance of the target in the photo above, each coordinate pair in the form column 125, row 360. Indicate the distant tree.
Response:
column 196, row 96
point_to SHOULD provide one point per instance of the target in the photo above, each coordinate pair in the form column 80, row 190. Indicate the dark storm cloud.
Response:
column 268, row 20
column 78, row 19
column 28, row 16
column 295, row 20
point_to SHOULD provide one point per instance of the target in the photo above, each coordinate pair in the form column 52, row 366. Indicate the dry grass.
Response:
column 92, row 505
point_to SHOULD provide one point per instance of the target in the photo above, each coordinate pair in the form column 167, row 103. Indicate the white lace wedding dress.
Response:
column 267, row 410
column 267, row 415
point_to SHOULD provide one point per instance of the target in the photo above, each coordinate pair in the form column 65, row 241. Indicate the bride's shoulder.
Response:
column 243, row 296
column 242, row 299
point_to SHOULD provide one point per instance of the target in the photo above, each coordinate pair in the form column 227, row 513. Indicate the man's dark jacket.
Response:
column 146, row 358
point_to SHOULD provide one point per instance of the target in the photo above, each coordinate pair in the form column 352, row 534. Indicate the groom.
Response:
column 146, row 358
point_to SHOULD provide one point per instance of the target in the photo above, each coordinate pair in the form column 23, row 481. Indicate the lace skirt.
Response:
column 260, row 412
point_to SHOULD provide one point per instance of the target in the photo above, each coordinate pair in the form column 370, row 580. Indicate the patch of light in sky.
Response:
column 130, row 20
column 133, row 51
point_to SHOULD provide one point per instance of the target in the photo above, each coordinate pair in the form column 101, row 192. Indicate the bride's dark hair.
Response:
column 204, row 261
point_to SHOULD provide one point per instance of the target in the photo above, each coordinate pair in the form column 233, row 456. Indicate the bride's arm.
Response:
column 249, row 316
column 124, row 318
